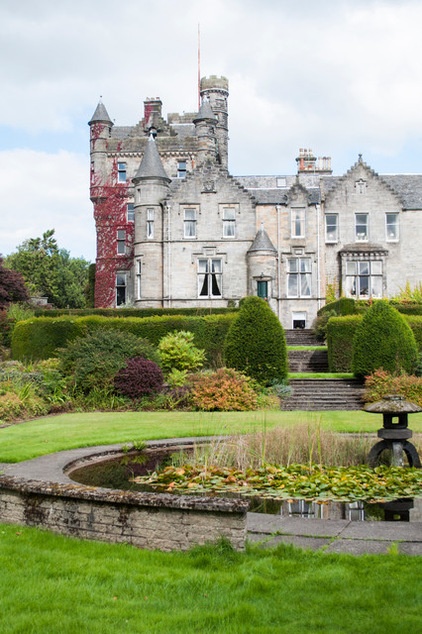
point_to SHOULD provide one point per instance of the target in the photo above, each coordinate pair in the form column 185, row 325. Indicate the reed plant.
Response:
column 304, row 443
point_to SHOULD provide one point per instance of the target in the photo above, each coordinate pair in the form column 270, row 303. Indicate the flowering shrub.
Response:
column 224, row 390
column 138, row 378
column 381, row 383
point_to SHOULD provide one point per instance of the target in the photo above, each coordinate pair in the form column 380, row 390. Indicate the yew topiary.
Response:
column 256, row 343
column 383, row 340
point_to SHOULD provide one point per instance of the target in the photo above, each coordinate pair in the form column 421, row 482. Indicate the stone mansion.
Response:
column 175, row 229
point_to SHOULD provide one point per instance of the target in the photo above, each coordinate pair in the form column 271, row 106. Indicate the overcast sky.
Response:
column 342, row 77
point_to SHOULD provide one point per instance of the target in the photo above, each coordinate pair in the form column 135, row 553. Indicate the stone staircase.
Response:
column 317, row 394
column 324, row 394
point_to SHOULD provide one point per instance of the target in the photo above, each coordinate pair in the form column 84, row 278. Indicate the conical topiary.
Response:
column 256, row 343
column 384, row 340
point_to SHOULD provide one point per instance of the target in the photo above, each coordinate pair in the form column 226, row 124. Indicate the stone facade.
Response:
column 146, row 520
column 175, row 229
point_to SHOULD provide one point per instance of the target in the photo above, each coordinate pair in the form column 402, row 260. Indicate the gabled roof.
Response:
column 151, row 165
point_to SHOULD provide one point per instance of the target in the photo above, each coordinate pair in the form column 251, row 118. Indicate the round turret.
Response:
column 216, row 91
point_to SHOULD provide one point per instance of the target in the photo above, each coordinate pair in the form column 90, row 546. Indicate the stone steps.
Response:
column 324, row 394
column 301, row 337
column 308, row 360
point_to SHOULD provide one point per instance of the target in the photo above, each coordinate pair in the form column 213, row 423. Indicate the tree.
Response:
column 12, row 287
column 50, row 272
column 256, row 343
column 383, row 340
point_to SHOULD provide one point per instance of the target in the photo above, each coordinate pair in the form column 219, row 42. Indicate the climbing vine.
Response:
column 110, row 214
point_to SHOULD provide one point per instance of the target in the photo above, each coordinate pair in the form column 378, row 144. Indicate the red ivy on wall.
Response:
column 110, row 200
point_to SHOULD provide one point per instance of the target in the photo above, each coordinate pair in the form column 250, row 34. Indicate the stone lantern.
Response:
column 394, row 433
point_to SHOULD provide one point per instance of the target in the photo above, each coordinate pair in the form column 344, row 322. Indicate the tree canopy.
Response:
column 50, row 272
column 12, row 287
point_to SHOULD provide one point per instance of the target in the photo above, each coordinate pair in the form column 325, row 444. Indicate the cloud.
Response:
column 43, row 191
column 340, row 77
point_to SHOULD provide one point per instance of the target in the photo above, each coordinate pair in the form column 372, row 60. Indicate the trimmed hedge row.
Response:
column 130, row 312
column 39, row 338
column 340, row 333
column 350, row 306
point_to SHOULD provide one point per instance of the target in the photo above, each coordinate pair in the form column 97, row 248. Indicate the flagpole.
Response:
column 199, row 67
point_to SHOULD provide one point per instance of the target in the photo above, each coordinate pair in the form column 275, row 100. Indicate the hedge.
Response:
column 39, row 338
column 340, row 333
column 131, row 312
column 349, row 306
column 384, row 340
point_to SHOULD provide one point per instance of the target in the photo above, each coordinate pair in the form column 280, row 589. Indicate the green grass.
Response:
column 321, row 347
column 51, row 584
column 320, row 375
column 69, row 431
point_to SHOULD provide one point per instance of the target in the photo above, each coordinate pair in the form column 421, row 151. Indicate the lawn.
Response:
column 68, row 431
column 52, row 584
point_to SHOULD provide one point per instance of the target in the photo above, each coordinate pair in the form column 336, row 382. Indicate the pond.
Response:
column 118, row 473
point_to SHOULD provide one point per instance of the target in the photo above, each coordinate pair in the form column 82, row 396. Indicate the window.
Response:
column 262, row 289
column 121, row 289
column 364, row 279
column 392, row 227
column 181, row 169
column 121, row 242
column 190, row 223
column 130, row 212
column 209, row 277
column 298, row 223
column 150, row 223
column 138, row 279
column 229, row 222
column 361, row 227
column 299, row 277
column 121, row 172
column 331, row 228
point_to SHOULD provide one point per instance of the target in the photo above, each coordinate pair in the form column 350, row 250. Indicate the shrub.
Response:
column 383, row 340
column 223, row 390
column 140, row 377
column 256, row 343
column 320, row 324
column 94, row 360
column 381, row 383
column 177, row 351
column 340, row 334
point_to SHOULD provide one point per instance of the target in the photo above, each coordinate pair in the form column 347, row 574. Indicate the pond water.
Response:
column 118, row 473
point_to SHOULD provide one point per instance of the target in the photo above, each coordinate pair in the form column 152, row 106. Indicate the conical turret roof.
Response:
column 205, row 112
column 262, row 242
column 151, row 165
column 100, row 114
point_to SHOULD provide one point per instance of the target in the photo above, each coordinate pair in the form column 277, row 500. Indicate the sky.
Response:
column 342, row 77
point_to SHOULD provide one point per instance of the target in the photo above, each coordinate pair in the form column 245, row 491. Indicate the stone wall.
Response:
column 146, row 520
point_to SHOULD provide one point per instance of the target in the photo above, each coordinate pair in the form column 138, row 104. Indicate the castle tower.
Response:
column 216, row 90
column 205, row 126
column 151, row 188
column 262, row 264
column 100, row 131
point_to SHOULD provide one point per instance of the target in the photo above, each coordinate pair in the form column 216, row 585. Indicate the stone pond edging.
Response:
column 146, row 520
